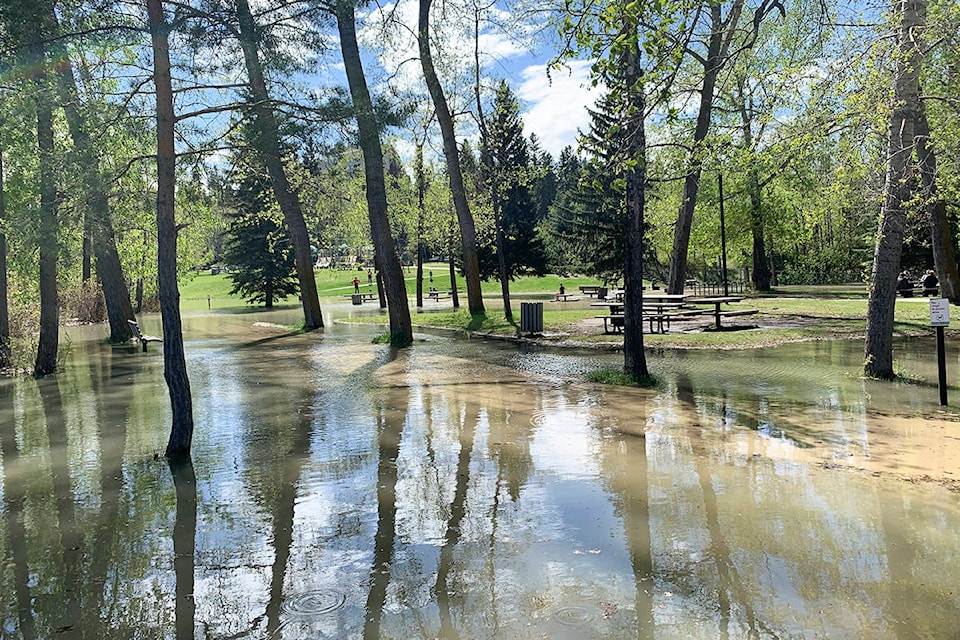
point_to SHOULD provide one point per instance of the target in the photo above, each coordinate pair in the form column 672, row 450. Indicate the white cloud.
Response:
column 556, row 107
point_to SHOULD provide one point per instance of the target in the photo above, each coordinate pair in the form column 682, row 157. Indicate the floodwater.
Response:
column 463, row 489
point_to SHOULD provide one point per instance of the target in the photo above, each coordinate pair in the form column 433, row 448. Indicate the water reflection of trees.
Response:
column 184, row 546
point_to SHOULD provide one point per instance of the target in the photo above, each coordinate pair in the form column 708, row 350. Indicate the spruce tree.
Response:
column 506, row 163
column 258, row 249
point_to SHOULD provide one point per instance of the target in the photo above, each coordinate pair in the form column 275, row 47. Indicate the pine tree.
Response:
column 258, row 247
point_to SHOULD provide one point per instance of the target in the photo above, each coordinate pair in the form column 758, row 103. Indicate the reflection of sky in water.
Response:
column 514, row 500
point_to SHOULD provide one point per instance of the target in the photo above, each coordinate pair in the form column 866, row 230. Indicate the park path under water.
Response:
column 464, row 489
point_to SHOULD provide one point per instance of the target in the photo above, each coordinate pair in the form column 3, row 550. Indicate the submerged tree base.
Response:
column 621, row 378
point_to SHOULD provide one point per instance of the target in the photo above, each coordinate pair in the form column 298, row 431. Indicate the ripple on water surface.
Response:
column 313, row 603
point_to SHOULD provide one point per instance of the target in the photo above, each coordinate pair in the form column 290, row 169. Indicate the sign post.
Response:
column 940, row 318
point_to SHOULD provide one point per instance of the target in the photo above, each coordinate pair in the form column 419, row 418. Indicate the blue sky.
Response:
column 553, row 106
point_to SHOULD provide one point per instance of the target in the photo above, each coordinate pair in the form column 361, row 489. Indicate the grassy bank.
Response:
column 788, row 314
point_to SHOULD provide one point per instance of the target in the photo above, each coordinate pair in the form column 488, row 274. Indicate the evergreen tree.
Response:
column 506, row 163
column 258, row 246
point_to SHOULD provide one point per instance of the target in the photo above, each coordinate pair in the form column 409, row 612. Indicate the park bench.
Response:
column 439, row 295
column 929, row 292
column 143, row 339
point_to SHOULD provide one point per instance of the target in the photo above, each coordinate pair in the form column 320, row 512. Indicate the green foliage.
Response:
column 260, row 258
column 257, row 249
column 507, row 169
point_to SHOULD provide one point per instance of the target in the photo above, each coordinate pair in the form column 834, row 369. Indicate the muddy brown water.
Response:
column 466, row 489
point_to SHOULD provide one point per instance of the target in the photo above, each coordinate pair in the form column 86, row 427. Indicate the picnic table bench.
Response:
column 439, row 295
column 362, row 296
column 143, row 339
column 590, row 289
column 717, row 313
column 612, row 323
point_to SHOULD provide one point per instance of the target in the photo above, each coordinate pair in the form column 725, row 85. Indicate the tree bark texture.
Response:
column 268, row 145
column 634, row 358
column 46, row 361
column 941, row 238
column 421, row 181
column 174, row 362
column 98, row 221
column 761, row 269
column 691, row 182
column 5, row 349
column 401, row 329
column 501, row 252
column 468, row 234
column 878, row 349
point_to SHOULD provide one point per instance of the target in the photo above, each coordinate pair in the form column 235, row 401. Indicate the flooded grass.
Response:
column 476, row 489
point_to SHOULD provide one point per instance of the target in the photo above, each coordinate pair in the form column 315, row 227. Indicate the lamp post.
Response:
column 723, row 237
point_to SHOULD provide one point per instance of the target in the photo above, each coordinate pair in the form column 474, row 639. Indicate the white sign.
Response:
column 939, row 312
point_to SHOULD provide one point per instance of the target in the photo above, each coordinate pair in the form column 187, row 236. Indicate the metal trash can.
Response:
column 531, row 317
column 602, row 293
column 357, row 298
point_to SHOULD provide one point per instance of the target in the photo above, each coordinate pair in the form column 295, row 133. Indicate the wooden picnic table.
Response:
column 439, row 295
column 716, row 301
column 661, row 312
column 566, row 297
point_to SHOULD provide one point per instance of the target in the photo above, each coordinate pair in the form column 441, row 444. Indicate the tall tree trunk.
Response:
column 98, row 223
column 501, row 254
column 761, row 268
column 452, row 267
column 491, row 163
column 761, row 271
column 421, row 181
column 174, row 361
column 268, row 145
column 401, row 329
column 468, row 234
column 46, row 361
column 878, row 348
column 634, row 358
column 941, row 239
column 691, row 182
column 5, row 349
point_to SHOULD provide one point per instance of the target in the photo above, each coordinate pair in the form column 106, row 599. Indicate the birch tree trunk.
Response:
column 878, row 349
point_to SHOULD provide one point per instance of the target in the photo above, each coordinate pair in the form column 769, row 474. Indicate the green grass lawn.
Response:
column 788, row 314
column 334, row 283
